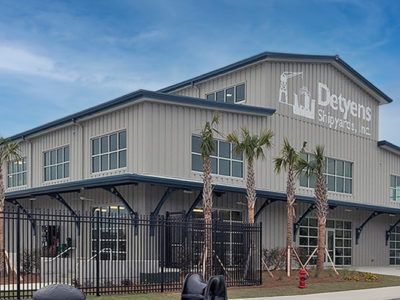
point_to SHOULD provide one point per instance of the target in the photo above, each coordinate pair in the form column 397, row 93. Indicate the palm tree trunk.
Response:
column 207, row 208
column 321, row 203
column 251, row 201
column 251, row 192
column 321, row 244
column 290, row 191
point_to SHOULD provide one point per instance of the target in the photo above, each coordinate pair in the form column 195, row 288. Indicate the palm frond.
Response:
column 280, row 164
column 315, row 165
column 9, row 151
column 207, row 144
column 265, row 138
column 251, row 145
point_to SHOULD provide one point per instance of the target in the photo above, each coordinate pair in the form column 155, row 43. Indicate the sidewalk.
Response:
column 388, row 293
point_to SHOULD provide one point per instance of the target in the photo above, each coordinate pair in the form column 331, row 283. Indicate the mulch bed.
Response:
column 281, row 279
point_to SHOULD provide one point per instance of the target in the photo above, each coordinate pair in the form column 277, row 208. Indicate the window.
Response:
column 338, row 175
column 230, row 242
column 56, row 164
column 211, row 97
column 232, row 95
column 109, row 152
column 395, row 188
column 17, row 173
column 339, row 239
column 223, row 161
column 240, row 93
column 112, row 235
column 394, row 246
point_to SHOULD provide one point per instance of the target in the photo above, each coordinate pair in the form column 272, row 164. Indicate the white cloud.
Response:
column 92, row 73
column 20, row 60
column 144, row 36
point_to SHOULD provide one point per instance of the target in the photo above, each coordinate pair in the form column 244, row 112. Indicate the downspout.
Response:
column 198, row 89
column 30, row 164
column 80, row 131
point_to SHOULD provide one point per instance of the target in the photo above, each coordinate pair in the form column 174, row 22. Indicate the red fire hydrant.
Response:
column 303, row 278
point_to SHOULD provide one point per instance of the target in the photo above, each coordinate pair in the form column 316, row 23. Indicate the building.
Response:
column 140, row 153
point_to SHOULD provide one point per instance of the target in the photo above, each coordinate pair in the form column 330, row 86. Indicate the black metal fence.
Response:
column 114, row 253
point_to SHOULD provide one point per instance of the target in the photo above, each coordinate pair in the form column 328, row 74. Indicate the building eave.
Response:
column 76, row 186
column 389, row 147
column 142, row 96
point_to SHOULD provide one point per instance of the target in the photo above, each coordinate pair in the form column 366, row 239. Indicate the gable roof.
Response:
column 389, row 147
column 280, row 56
column 144, row 95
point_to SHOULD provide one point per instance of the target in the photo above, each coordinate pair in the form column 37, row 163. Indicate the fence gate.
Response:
column 106, row 251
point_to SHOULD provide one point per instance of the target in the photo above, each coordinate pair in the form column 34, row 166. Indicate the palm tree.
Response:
column 252, row 147
column 8, row 152
column 207, row 147
column 316, row 167
column 288, row 162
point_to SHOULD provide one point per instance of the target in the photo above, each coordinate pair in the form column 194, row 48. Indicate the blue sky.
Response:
column 59, row 57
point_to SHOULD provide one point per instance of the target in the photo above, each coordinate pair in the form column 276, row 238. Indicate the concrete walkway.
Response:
column 388, row 293
column 394, row 271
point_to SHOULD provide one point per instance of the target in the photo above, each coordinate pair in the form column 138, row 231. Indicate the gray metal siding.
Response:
column 371, row 250
column 159, row 143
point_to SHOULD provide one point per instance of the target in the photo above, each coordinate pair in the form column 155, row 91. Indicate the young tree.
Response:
column 316, row 167
column 8, row 153
column 252, row 147
column 288, row 162
column 207, row 146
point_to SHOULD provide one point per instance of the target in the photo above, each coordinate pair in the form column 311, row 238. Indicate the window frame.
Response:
column 234, row 87
column 118, row 239
column 108, row 152
column 23, row 173
column 232, row 242
column 326, row 174
column 396, row 188
column 245, row 93
column 218, row 158
column 64, row 162
column 310, row 248
column 394, row 239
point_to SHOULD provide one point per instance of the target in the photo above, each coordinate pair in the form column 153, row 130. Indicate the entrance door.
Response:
column 330, row 244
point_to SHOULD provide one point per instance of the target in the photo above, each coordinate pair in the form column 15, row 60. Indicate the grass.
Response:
column 252, row 292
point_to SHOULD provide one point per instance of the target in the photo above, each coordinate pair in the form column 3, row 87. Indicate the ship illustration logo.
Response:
column 307, row 109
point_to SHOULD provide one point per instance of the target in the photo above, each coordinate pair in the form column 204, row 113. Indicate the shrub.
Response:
column 87, row 284
column 271, row 257
column 108, row 283
column 369, row 276
column 31, row 261
column 76, row 283
column 347, row 277
column 356, row 277
column 126, row 282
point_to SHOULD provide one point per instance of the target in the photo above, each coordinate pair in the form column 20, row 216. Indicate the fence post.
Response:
column 261, row 252
column 162, row 232
column 98, row 255
column 18, row 255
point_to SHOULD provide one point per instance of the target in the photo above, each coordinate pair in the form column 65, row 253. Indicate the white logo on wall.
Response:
column 305, row 106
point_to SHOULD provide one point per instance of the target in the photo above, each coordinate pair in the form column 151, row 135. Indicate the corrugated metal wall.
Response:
column 371, row 250
column 159, row 143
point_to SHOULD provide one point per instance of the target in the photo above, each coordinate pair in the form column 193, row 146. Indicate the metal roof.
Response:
column 389, row 147
column 146, row 95
column 75, row 186
column 278, row 56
